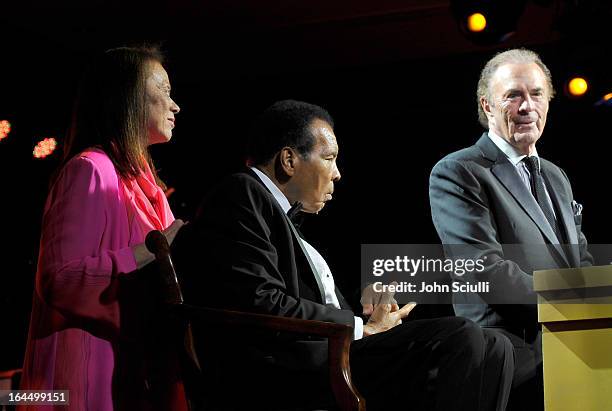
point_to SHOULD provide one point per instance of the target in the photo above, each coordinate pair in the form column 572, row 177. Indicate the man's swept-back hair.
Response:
column 513, row 56
column 110, row 109
column 285, row 123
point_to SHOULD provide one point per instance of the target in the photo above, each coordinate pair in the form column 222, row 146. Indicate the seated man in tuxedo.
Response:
column 243, row 252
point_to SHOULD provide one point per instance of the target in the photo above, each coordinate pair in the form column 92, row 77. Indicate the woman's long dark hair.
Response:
column 110, row 110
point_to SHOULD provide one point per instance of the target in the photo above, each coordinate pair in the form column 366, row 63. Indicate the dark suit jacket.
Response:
column 242, row 253
column 478, row 198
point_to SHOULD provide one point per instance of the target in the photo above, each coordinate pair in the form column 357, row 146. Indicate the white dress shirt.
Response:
column 322, row 270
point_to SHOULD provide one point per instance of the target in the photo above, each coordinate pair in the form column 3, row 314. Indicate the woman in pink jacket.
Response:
column 104, row 200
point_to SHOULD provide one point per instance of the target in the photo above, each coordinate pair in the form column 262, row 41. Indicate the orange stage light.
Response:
column 577, row 86
column 5, row 128
column 44, row 147
column 476, row 22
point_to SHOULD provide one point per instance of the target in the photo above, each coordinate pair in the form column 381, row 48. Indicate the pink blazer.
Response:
column 91, row 219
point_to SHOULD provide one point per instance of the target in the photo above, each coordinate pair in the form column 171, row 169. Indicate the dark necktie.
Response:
column 539, row 191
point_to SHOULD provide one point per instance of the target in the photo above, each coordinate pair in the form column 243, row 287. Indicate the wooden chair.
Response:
column 339, row 336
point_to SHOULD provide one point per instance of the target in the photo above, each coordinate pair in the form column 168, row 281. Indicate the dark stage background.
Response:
column 398, row 77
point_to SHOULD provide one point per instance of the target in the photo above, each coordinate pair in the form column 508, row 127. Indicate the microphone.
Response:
column 157, row 244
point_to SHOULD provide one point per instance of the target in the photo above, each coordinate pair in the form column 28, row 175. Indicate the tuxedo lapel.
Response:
column 313, row 269
column 343, row 303
column 298, row 245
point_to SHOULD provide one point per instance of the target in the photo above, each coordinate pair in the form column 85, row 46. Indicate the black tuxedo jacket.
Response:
column 478, row 198
column 242, row 253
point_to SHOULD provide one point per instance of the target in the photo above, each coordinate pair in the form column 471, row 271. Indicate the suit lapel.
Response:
column 563, row 204
column 507, row 175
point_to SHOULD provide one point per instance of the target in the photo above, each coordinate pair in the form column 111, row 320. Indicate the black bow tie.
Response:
column 295, row 214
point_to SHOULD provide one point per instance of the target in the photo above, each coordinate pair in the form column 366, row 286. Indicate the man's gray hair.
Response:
column 516, row 56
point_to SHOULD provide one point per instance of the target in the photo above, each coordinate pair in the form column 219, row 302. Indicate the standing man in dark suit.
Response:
column 244, row 252
column 501, row 197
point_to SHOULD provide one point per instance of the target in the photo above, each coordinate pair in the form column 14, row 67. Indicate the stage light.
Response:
column 606, row 100
column 476, row 22
column 5, row 129
column 485, row 21
column 577, row 86
column 44, row 147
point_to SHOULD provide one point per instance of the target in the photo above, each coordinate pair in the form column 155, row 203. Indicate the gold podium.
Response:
column 575, row 310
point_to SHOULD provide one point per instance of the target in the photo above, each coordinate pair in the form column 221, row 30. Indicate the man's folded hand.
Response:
column 386, row 314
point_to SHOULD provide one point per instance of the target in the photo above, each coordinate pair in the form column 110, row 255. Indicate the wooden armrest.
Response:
column 269, row 322
column 339, row 342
